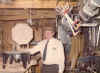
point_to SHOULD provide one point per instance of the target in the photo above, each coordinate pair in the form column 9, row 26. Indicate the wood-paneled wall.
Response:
column 7, row 40
column 32, row 4
column 22, row 14
column 37, row 29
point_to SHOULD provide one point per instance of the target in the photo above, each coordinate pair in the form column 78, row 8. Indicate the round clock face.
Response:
column 22, row 33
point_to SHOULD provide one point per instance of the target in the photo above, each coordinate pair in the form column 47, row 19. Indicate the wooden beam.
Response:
column 9, row 12
column 31, row 4
column 35, row 22
column 22, row 14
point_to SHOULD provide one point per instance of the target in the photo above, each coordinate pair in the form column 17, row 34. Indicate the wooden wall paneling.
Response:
column 14, row 11
column 1, row 38
column 22, row 14
column 7, row 26
column 47, row 22
column 7, row 39
column 32, row 4
column 38, row 34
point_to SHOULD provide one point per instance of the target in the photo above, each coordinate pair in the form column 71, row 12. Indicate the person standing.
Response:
column 52, row 52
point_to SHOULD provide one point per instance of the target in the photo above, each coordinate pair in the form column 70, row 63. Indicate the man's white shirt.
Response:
column 54, row 54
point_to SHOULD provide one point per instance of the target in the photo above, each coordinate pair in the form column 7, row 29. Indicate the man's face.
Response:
column 48, row 34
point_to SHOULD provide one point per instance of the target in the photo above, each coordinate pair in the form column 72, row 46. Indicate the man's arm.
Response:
column 34, row 49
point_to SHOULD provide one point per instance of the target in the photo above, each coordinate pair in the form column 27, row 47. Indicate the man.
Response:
column 54, row 53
